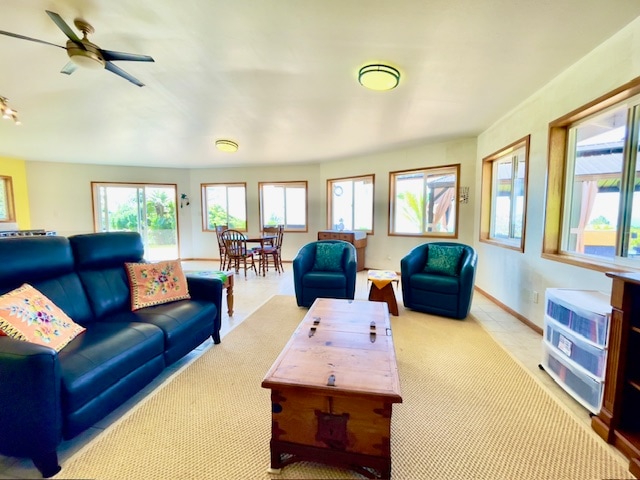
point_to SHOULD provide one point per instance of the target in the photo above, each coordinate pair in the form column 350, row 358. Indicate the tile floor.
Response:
column 523, row 343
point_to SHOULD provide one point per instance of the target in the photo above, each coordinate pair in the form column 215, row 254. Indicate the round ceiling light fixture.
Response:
column 379, row 77
column 228, row 146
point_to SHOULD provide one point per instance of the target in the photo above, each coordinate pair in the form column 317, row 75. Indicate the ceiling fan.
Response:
column 84, row 53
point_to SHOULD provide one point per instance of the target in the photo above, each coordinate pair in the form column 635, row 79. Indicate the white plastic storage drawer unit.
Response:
column 585, row 312
column 576, row 336
column 584, row 388
column 584, row 354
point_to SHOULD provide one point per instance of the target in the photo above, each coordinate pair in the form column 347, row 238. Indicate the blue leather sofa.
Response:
column 438, row 293
column 310, row 282
column 47, row 396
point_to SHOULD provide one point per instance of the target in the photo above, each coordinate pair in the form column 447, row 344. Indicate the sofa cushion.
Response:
column 27, row 314
column 33, row 259
column 328, row 257
column 101, row 357
column 186, row 324
column 105, row 250
column 156, row 283
column 100, row 259
column 444, row 260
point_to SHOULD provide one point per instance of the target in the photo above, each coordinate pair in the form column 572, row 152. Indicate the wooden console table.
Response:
column 619, row 419
column 357, row 239
column 333, row 388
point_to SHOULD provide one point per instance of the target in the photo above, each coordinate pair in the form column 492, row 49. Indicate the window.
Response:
column 284, row 203
column 7, row 214
column 149, row 209
column 224, row 204
column 593, row 193
column 504, row 195
column 424, row 202
column 350, row 203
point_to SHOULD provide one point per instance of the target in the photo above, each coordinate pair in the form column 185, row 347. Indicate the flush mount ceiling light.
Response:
column 7, row 112
column 226, row 146
column 379, row 77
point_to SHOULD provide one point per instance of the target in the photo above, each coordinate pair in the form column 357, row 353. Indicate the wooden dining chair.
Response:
column 272, row 252
column 224, row 259
column 235, row 244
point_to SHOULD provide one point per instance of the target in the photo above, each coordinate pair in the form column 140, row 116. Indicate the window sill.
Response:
column 591, row 264
column 509, row 246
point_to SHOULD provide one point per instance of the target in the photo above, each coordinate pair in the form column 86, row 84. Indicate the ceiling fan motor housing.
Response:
column 89, row 57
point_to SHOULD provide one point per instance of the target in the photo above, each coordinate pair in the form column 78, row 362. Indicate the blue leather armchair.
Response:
column 312, row 280
column 435, row 292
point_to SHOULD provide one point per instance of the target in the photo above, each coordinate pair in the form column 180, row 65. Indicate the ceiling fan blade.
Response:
column 110, row 55
column 118, row 71
column 22, row 37
column 62, row 25
column 69, row 68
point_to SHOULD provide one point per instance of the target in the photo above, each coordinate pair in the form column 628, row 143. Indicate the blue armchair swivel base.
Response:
column 430, row 285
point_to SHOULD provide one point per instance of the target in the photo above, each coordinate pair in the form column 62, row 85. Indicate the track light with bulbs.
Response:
column 8, row 112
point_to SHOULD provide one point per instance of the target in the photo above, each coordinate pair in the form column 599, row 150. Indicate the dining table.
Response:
column 262, row 239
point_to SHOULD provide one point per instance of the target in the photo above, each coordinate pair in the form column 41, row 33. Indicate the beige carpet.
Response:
column 469, row 412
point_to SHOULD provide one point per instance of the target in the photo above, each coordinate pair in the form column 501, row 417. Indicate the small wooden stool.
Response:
column 382, row 288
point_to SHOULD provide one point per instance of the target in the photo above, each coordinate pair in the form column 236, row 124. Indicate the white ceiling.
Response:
column 280, row 76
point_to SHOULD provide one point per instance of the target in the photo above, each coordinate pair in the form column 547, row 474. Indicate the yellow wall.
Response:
column 15, row 169
column 600, row 237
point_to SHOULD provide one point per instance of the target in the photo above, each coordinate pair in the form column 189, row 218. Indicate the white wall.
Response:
column 384, row 251
column 511, row 276
column 204, row 244
column 60, row 194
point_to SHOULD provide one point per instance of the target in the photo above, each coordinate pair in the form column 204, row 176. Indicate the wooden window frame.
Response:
column 304, row 183
column 9, row 200
column 556, row 178
column 427, row 170
column 205, row 206
column 487, row 195
column 353, row 179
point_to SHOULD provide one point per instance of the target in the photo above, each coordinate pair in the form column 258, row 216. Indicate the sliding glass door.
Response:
column 149, row 209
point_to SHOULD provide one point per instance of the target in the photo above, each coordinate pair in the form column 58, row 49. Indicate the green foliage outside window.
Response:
column 218, row 216
column 411, row 206
column 160, row 218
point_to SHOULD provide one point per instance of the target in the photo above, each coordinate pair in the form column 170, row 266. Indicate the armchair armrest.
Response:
column 350, row 268
column 467, row 280
column 414, row 261
column 302, row 263
column 30, row 399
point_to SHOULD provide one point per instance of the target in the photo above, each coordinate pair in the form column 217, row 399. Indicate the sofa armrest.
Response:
column 208, row 289
column 30, row 399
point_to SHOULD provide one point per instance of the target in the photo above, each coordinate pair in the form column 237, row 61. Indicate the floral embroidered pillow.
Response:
column 156, row 283
column 27, row 314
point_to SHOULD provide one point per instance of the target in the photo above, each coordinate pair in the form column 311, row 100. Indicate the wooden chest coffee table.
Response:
column 333, row 388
